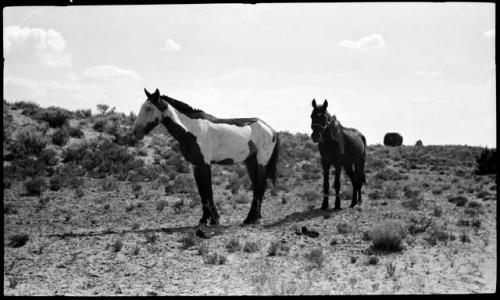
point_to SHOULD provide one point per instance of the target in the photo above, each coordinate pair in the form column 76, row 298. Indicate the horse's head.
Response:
column 149, row 116
column 320, row 120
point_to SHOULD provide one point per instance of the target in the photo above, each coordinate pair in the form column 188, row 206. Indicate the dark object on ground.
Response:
column 199, row 233
column 393, row 139
column 486, row 162
column 18, row 240
column 419, row 143
column 308, row 232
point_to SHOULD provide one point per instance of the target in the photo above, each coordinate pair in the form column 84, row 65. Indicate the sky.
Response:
column 425, row 70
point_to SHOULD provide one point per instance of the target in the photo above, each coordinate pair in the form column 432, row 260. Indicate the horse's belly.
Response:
column 228, row 142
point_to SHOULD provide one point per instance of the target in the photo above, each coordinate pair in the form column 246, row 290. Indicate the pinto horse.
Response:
column 341, row 147
column 205, row 140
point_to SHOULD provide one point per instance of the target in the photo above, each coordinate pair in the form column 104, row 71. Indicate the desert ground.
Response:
column 86, row 212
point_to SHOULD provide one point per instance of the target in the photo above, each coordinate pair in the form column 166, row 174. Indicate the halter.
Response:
column 323, row 127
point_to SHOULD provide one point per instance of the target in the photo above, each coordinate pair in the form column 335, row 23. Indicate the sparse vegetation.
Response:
column 233, row 245
column 315, row 257
column 35, row 186
column 388, row 237
column 251, row 246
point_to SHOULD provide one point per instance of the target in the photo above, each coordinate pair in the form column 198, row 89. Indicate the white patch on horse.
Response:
column 219, row 141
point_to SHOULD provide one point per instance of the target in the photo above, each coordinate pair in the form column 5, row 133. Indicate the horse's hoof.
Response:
column 337, row 208
column 324, row 207
column 250, row 222
column 352, row 205
column 202, row 222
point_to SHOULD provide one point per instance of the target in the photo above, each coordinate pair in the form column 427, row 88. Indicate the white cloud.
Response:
column 105, row 72
column 40, row 86
column 490, row 33
column 371, row 41
column 171, row 45
column 47, row 45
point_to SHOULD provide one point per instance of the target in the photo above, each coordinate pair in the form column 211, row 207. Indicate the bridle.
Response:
column 323, row 127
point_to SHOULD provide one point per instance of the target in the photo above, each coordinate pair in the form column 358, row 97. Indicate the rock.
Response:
column 393, row 139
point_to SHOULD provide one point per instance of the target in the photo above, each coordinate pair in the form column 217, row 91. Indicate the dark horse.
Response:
column 342, row 147
column 205, row 139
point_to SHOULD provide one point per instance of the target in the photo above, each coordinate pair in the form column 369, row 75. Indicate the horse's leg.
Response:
column 361, row 176
column 350, row 172
column 252, row 168
column 198, row 176
column 326, row 184
column 262, row 184
column 336, row 184
column 203, row 176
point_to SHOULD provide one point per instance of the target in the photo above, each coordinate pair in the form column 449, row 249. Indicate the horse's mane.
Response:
column 183, row 107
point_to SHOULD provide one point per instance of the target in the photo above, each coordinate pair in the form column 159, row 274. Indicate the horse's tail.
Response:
column 273, row 161
column 364, row 157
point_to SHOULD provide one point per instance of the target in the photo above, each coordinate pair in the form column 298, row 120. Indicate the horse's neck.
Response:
column 179, row 124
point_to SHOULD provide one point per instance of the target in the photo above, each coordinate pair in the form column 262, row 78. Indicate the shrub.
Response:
column 75, row 132
column 18, row 240
column 203, row 248
column 83, row 113
column 102, row 108
column 437, row 212
column 60, row 137
column 387, row 237
column 233, row 245
column 188, row 240
column 117, row 245
column 215, row 258
column 251, row 246
column 458, row 200
column 99, row 125
column 486, row 162
column 316, row 257
column 48, row 157
column 28, row 143
column 343, row 228
column 56, row 117
column 373, row 260
column 29, row 108
column 413, row 203
column 9, row 208
column 161, row 204
column 464, row 237
column 437, row 234
column 388, row 173
column 391, row 269
column 391, row 190
column 419, row 225
column 277, row 248
column 393, row 139
column 150, row 237
column 35, row 186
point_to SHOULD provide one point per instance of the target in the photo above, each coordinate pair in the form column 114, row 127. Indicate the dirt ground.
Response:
column 70, row 251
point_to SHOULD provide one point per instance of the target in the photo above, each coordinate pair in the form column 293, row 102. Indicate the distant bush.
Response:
column 388, row 237
column 55, row 183
column 419, row 143
column 203, row 248
column 35, row 186
column 419, row 225
column 414, row 202
column 486, row 162
column 83, row 113
column 56, row 117
column 28, row 143
column 75, row 132
column 100, row 125
column 48, row 156
column 277, row 248
column 437, row 233
column 60, row 137
column 393, row 139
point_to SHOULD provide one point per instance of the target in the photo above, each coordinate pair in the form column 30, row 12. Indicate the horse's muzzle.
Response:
column 317, row 138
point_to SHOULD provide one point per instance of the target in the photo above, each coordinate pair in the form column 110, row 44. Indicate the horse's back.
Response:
column 355, row 143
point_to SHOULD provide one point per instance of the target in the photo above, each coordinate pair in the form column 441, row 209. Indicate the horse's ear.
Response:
column 314, row 103
column 148, row 94
column 325, row 104
column 156, row 94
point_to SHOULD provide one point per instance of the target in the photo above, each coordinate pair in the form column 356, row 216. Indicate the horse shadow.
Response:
column 302, row 215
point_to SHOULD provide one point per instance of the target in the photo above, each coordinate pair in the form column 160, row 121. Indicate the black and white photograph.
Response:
column 228, row 149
